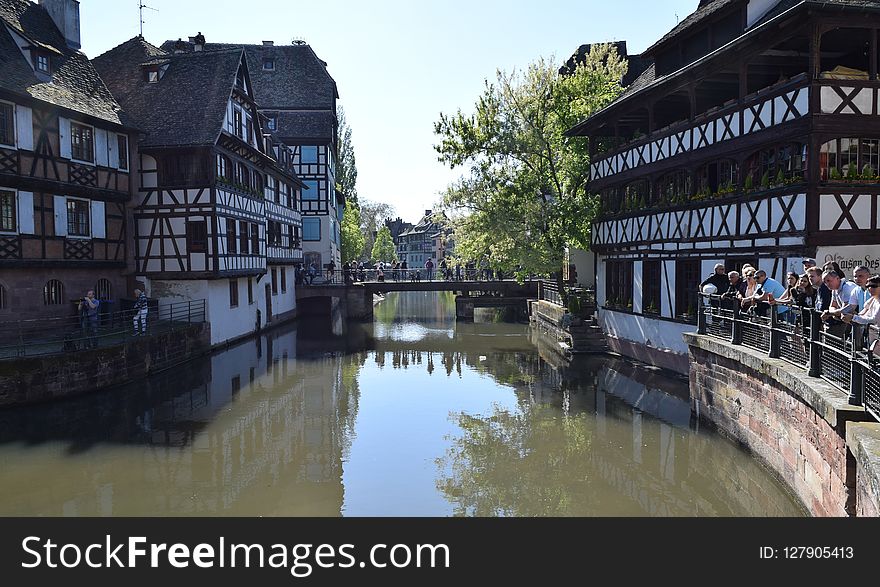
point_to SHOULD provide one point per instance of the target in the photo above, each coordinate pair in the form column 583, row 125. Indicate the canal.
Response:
column 411, row 415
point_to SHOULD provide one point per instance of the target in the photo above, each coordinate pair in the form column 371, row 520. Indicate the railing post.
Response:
column 189, row 312
column 701, row 314
column 775, row 334
column 815, row 348
column 736, row 336
column 857, row 373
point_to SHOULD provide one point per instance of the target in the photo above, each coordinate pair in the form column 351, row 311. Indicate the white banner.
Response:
column 851, row 257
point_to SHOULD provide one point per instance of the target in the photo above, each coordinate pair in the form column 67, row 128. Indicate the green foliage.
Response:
column 749, row 184
column 835, row 173
column 383, row 249
column 780, row 178
column 352, row 236
column 373, row 215
column 851, row 174
column 524, row 198
column 765, row 180
column 346, row 167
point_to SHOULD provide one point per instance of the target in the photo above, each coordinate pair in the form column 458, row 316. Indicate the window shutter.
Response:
column 64, row 137
column 25, row 213
column 112, row 145
column 24, row 123
column 99, row 220
column 60, row 216
column 101, row 156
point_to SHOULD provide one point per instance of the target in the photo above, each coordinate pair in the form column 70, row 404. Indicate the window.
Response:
column 687, row 282
column 311, row 229
column 152, row 75
column 78, row 218
column 673, row 188
column 283, row 280
column 268, row 63
column 249, row 129
column 274, row 282
column 231, row 240
column 619, row 284
column 274, row 236
column 7, row 212
column 233, row 293
column 311, row 194
column 184, row 169
column 272, row 189
column 103, row 289
column 237, row 123
column 222, row 167
column 82, row 142
column 272, row 122
column 53, row 293
column 850, row 159
column 7, row 124
column 718, row 178
column 243, row 239
column 122, row 149
column 636, row 195
column 258, row 183
column 651, row 278
column 250, row 288
column 42, row 63
column 309, row 155
column 291, row 236
column 255, row 238
column 4, row 300
column 775, row 166
column 243, row 175
column 197, row 236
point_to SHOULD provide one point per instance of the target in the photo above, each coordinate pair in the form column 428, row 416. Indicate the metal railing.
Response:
column 836, row 353
column 56, row 336
column 548, row 291
column 341, row 277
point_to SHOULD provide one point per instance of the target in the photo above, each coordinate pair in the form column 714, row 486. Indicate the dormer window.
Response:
column 42, row 64
column 268, row 64
column 272, row 121
column 151, row 74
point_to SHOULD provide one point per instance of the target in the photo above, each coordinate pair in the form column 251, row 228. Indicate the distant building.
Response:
column 66, row 169
column 397, row 227
column 217, row 209
column 297, row 95
column 426, row 240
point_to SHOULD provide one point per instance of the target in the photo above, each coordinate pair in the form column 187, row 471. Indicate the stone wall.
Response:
column 795, row 424
column 864, row 446
column 41, row 379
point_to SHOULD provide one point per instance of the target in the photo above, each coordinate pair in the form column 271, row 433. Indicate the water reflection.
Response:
column 411, row 415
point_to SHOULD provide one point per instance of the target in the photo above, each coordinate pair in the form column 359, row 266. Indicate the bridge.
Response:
column 358, row 296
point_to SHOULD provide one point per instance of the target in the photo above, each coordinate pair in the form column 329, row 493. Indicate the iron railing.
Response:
column 56, row 336
column 838, row 354
column 341, row 277
column 548, row 291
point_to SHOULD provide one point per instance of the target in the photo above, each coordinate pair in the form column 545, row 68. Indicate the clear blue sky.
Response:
column 398, row 63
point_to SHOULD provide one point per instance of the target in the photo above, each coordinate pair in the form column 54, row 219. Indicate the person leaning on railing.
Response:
column 843, row 302
column 870, row 315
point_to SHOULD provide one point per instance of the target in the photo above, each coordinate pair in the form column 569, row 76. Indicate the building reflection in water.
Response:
column 277, row 427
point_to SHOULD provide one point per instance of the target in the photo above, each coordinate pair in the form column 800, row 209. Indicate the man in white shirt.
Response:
column 861, row 275
column 844, row 298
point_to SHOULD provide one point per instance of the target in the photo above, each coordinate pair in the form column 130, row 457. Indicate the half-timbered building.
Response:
column 216, row 214
column 753, row 136
column 297, row 95
column 65, row 167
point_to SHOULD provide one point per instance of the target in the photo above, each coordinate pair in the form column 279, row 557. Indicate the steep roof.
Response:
column 187, row 107
column 300, row 80
column 306, row 125
column 705, row 9
column 74, row 85
column 636, row 63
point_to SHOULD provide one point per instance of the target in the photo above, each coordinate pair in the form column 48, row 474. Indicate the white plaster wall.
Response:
column 600, row 281
column 585, row 263
column 648, row 331
column 637, row 287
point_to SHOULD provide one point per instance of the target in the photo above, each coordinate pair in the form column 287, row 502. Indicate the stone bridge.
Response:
column 358, row 297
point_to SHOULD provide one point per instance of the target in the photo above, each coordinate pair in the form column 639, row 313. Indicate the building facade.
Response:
column 297, row 95
column 426, row 240
column 66, row 168
column 216, row 214
column 752, row 137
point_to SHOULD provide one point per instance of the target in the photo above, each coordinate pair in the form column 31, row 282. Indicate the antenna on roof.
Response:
column 141, row 7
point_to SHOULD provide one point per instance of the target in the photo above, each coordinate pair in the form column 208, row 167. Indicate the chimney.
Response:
column 199, row 41
column 65, row 13
column 427, row 212
column 268, row 43
column 179, row 47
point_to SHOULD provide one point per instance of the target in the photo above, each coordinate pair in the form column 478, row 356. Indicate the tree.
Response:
column 352, row 235
column 383, row 249
column 346, row 167
column 523, row 199
column 373, row 216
